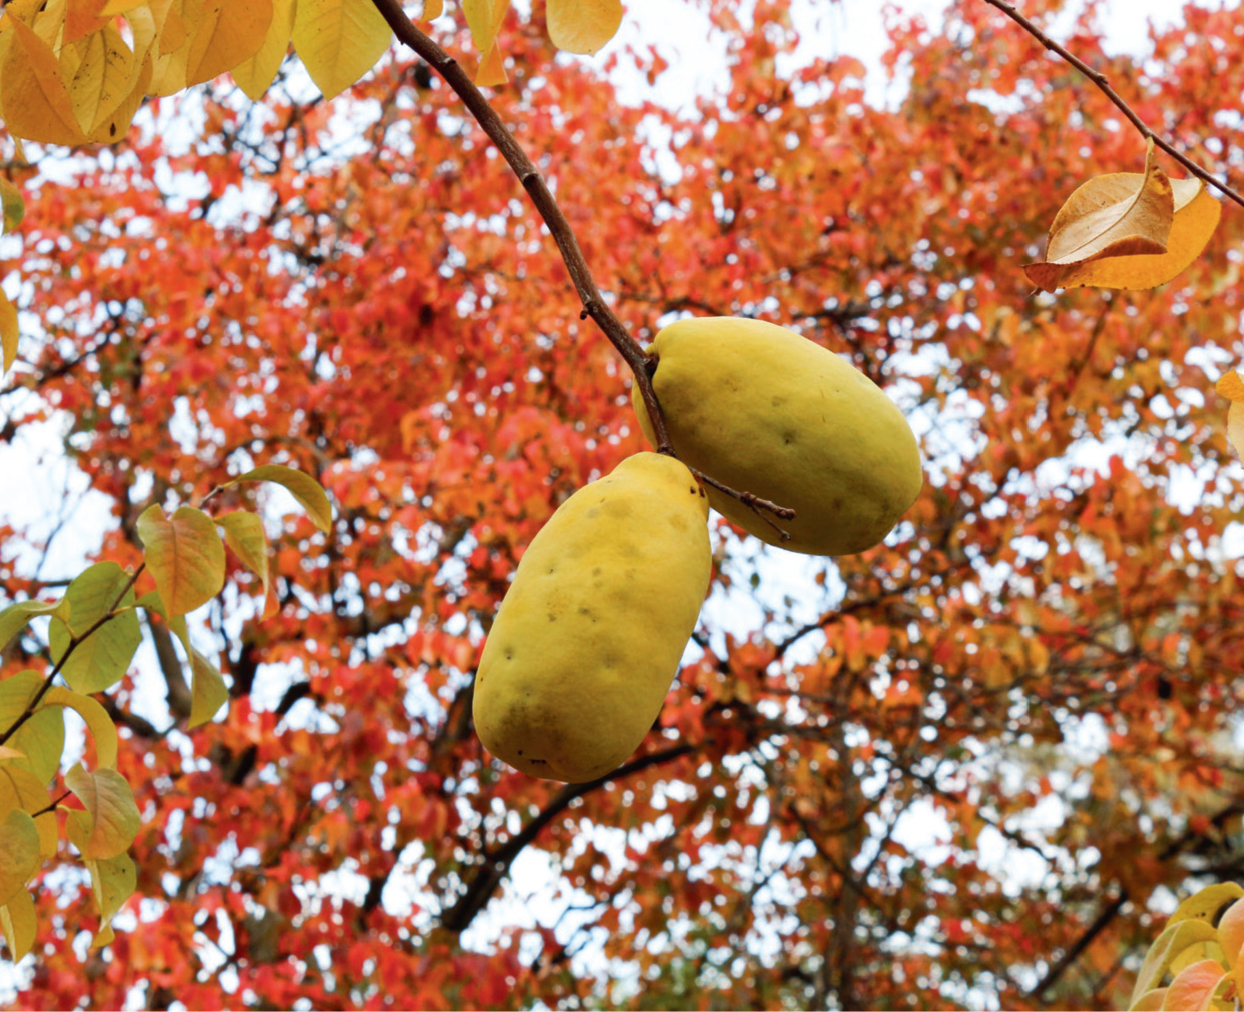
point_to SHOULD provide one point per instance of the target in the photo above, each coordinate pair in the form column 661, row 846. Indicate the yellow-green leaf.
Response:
column 19, row 853
column 20, row 789
column 37, row 105
column 103, row 730
column 16, row 617
column 255, row 74
column 1206, row 904
column 113, row 881
column 12, row 205
column 225, row 33
column 41, row 739
column 17, row 921
column 207, row 690
column 114, row 818
column 583, row 26
column 102, row 658
column 339, row 41
column 8, row 331
column 1123, row 214
column 185, row 555
column 301, row 486
column 244, row 534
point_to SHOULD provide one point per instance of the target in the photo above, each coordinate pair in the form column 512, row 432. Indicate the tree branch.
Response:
column 524, row 168
column 497, row 864
column 1103, row 83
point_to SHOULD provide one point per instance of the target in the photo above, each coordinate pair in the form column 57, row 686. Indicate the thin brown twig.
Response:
column 524, row 168
column 1120, row 103
column 74, row 643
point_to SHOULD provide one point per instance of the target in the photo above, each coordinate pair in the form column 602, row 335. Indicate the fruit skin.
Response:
column 765, row 411
column 592, row 630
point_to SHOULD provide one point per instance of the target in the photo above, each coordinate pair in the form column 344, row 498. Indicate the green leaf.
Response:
column 339, row 41
column 184, row 555
column 17, row 921
column 103, row 730
column 301, row 486
column 19, row 853
column 1204, row 905
column 101, row 659
column 113, row 881
column 16, row 617
column 109, row 803
column 244, row 534
column 20, row 789
column 12, row 205
column 8, row 331
column 207, row 690
column 42, row 738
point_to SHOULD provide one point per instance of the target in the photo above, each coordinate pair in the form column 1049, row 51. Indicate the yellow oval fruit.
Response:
column 763, row 410
column 591, row 632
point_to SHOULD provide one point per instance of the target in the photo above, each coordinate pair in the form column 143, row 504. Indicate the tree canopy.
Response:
column 977, row 764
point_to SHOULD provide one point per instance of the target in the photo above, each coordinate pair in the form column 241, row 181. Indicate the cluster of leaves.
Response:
column 92, row 636
column 1200, row 949
column 399, row 325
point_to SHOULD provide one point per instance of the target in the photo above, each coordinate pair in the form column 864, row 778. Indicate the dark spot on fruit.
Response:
column 520, row 751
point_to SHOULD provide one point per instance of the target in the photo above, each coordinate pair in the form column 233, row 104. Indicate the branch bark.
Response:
column 1103, row 83
column 594, row 305
column 497, row 863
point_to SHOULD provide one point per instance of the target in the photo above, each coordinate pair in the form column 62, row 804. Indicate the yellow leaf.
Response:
column 207, row 690
column 185, row 556
column 121, row 7
column 1206, row 904
column 17, row 920
column 37, row 105
column 583, row 26
column 225, row 33
column 19, row 853
column 244, row 534
column 8, row 331
column 484, row 18
column 339, row 41
column 1119, row 215
column 113, row 816
column 1231, row 386
column 103, row 730
column 256, row 73
column 113, row 881
column 432, row 9
column 1235, row 426
column 304, row 488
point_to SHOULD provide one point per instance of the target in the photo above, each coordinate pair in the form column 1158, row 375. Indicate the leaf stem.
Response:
column 594, row 305
column 74, row 643
column 1120, row 103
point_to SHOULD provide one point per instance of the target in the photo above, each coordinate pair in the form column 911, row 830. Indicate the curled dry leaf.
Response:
column 1127, row 230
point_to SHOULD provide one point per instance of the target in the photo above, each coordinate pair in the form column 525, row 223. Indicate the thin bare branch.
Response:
column 524, row 168
column 1103, row 83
